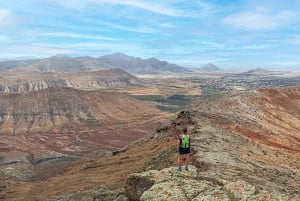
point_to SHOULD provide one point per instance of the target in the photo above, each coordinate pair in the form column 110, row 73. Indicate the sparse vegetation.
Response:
column 230, row 195
column 209, row 90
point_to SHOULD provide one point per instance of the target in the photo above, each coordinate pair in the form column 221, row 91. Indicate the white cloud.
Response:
column 32, row 50
column 73, row 35
column 6, row 18
column 126, row 28
column 253, row 20
column 102, row 45
column 256, row 47
column 294, row 40
column 150, row 6
column 154, row 6
column 5, row 39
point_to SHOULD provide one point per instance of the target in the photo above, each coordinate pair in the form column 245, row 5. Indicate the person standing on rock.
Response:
column 184, row 149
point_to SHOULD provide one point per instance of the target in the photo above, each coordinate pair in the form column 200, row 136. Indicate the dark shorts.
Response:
column 183, row 151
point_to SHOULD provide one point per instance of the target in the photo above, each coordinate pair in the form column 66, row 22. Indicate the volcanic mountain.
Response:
column 68, row 64
column 245, row 146
column 210, row 68
column 257, row 71
column 101, row 79
column 54, row 109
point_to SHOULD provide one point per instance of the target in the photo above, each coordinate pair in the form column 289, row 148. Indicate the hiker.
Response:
column 183, row 149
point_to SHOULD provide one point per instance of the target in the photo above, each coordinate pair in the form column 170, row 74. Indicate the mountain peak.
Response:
column 210, row 68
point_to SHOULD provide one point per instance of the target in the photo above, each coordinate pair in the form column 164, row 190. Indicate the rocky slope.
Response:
column 229, row 161
column 168, row 184
column 102, row 79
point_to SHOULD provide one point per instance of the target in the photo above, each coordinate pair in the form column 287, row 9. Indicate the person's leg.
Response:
column 179, row 161
column 187, row 161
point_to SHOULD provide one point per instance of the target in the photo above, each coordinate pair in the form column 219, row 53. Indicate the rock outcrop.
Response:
column 168, row 184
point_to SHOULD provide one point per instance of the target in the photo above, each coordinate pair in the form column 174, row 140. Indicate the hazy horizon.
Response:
column 239, row 34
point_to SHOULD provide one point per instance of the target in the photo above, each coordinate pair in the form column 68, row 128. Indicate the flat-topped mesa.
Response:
column 101, row 79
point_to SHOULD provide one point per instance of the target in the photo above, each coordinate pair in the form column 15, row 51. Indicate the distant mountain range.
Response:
column 69, row 64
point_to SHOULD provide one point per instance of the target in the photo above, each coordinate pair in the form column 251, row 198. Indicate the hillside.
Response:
column 245, row 146
column 51, row 110
column 257, row 71
column 268, row 116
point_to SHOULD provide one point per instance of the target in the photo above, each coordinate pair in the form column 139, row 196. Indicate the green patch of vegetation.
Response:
column 178, row 99
column 148, row 97
column 171, row 104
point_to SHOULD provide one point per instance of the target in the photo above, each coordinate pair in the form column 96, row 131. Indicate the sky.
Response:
column 232, row 34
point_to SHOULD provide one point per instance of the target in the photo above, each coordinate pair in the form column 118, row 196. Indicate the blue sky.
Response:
column 231, row 34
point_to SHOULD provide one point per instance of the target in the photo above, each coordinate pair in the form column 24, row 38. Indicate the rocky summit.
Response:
column 194, row 185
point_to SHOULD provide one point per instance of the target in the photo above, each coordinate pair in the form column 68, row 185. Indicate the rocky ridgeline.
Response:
column 225, row 167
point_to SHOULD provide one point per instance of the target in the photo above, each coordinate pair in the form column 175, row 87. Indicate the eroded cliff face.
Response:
column 102, row 79
column 62, row 110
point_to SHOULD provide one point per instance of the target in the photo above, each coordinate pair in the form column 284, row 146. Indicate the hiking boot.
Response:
column 186, row 168
column 179, row 169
